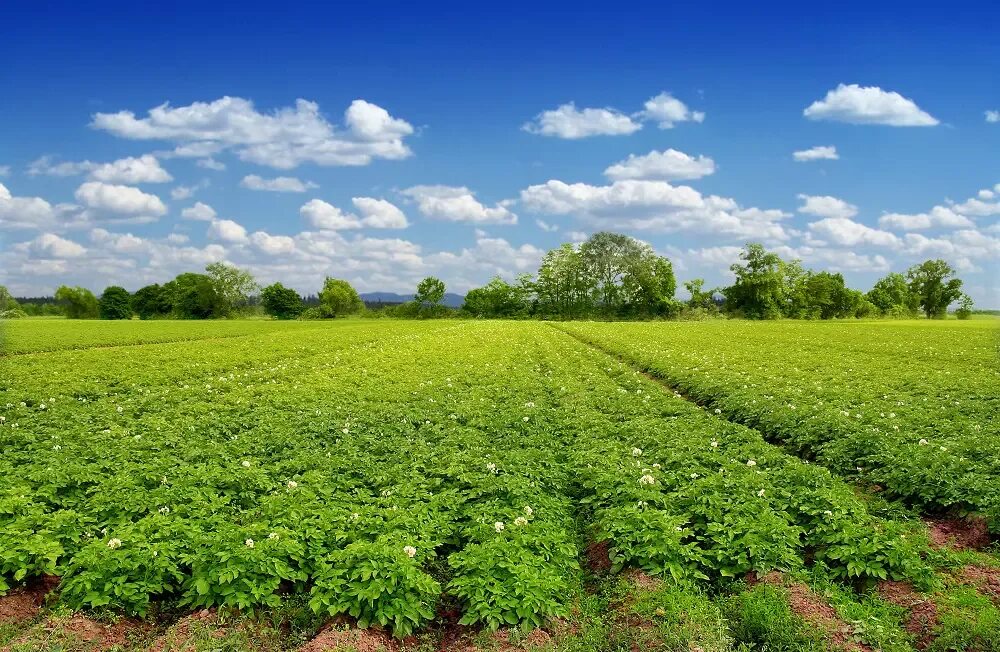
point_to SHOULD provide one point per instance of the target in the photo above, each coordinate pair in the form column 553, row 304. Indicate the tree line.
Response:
column 609, row 276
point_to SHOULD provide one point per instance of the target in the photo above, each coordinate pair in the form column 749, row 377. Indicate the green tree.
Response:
column 563, row 286
column 891, row 296
column 931, row 283
column 608, row 259
column 430, row 292
column 649, row 284
column 281, row 302
column 699, row 297
column 152, row 301
column 965, row 307
column 759, row 290
column 497, row 298
column 233, row 286
column 7, row 301
column 115, row 303
column 338, row 298
column 77, row 302
column 194, row 296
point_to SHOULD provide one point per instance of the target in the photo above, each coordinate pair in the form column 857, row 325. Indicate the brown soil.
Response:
column 643, row 581
column 361, row 640
column 986, row 580
column 970, row 533
column 922, row 616
column 24, row 603
column 80, row 629
column 598, row 557
column 814, row 611
column 179, row 638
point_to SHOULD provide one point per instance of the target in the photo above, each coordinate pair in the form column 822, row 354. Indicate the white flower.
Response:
column 163, row 480
column 345, row 430
column 115, row 543
column 246, row 464
column 636, row 452
column 528, row 511
column 292, row 484
column 355, row 516
column 761, row 493
column 498, row 526
column 42, row 406
column 647, row 479
column 491, row 467
column 120, row 409
column 827, row 513
column 656, row 466
column 164, row 510
column 923, row 442
column 718, row 411
column 529, row 404
column 410, row 551
column 273, row 536
column 57, row 447
column 520, row 520
column 694, row 476
column 751, row 463
column 248, row 543
column 525, row 419
column 715, row 444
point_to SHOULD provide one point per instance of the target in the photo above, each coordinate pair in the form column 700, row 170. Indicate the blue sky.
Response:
column 464, row 142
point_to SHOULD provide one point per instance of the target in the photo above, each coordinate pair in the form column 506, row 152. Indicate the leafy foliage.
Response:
column 115, row 303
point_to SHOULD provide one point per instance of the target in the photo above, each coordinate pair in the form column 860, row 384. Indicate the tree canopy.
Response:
column 339, row 298
column 115, row 303
column 281, row 302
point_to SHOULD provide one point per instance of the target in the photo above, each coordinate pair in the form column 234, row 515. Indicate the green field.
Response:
column 618, row 486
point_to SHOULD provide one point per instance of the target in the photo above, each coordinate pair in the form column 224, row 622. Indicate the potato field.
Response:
column 499, row 485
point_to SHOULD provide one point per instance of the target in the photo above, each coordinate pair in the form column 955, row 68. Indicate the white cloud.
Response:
column 571, row 123
column 826, row 206
column 458, row 204
column 277, row 184
column 939, row 216
column 4, row 170
column 977, row 208
column 846, row 232
column 666, row 110
column 132, row 170
column 818, row 153
column 24, row 212
column 986, row 193
column 124, row 200
column 282, row 139
column 210, row 164
column 545, row 226
column 653, row 206
column 273, row 245
column 46, row 165
column 328, row 217
column 200, row 212
column 49, row 244
column 668, row 165
column 227, row 231
column 379, row 213
column 868, row 105
column 993, row 116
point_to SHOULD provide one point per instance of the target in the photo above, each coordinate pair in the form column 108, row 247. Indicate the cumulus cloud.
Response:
column 937, row 217
column 200, row 212
column 328, row 217
column 826, row 206
column 25, row 212
column 186, row 192
column 132, row 170
column 457, row 204
column 124, row 200
column 227, row 231
column 545, row 226
column 869, row 105
column 379, row 213
column 818, row 153
column 51, row 245
column 666, row 110
column 669, row 165
column 284, row 138
column 846, row 232
column 277, row 184
column 572, row 123
column 993, row 116
column 655, row 206
column 273, row 245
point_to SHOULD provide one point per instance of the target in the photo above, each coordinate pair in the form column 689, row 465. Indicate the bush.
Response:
column 339, row 298
column 115, row 303
column 281, row 302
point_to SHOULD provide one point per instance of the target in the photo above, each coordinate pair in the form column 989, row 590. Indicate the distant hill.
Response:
column 451, row 299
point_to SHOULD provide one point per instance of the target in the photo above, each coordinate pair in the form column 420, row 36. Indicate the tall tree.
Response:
column 281, row 302
column 931, row 283
column 699, row 297
column 759, row 290
column 152, row 301
column 115, row 303
column 430, row 292
column 564, row 288
column 7, row 301
column 891, row 295
column 608, row 258
column 77, row 302
column 232, row 285
column 338, row 298
column 497, row 298
column 194, row 296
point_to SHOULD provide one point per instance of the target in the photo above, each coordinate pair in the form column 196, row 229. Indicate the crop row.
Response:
column 911, row 409
column 377, row 467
